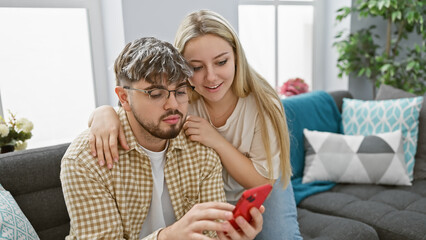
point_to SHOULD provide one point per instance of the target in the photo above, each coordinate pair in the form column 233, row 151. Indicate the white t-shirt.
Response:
column 161, row 213
column 243, row 131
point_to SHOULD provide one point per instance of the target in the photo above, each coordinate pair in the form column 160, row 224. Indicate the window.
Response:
column 48, row 70
column 278, row 38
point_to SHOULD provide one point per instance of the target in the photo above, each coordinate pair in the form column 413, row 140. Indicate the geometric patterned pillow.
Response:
column 372, row 117
column 13, row 223
column 377, row 159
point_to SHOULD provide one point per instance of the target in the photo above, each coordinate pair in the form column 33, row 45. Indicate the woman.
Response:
column 234, row 111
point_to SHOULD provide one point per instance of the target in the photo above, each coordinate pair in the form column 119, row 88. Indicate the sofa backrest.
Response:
column 338, row 97
column 32, row 177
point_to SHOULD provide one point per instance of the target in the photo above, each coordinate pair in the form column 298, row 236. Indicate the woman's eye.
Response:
column 223, row 62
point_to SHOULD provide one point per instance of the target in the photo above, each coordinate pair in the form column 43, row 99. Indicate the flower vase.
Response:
column 7, row 148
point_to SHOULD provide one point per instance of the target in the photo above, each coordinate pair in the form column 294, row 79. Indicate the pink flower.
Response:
column 293, row 86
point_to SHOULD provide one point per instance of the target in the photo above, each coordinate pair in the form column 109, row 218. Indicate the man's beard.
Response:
column 154, row 129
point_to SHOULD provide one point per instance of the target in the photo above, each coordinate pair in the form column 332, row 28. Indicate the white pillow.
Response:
column 377, row 159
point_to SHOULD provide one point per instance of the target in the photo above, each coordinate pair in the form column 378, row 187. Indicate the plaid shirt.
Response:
column 113, row 204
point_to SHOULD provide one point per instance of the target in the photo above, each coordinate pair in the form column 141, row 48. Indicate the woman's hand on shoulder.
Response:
column 105, row 130
column 200, row 130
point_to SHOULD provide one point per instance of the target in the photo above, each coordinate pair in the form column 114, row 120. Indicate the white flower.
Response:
column 24, row 124
column 4, row 130
column 21, row 145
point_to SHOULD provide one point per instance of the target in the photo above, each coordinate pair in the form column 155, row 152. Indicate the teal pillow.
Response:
column 315, row 111
column 13, row 223
column 372, row 117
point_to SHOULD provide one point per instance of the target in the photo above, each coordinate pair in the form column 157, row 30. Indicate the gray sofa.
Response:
column 364, row 211
column 32, row 177
column 344, row 212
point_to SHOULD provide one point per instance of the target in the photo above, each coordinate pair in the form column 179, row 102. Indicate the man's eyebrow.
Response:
column 155, row 86
column 158, row 86
column 182, row 84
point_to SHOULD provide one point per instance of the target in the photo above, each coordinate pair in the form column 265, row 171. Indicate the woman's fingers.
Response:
column 100, row 151
column 122, row 139
column 92, row 143
column 107, row 152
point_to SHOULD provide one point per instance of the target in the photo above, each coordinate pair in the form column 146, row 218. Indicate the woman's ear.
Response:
column 123, row 97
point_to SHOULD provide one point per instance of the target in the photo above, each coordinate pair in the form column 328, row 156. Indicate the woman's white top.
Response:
column 243, row 130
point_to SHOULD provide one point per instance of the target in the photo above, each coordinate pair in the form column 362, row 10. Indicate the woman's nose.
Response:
column 211, row 75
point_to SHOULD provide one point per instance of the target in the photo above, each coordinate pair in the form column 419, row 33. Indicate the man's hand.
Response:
column 201, row 217
column 247, row 230
column 204, row 216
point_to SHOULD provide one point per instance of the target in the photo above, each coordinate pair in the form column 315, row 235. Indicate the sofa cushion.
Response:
column 372, row 117
column 321, row 226
column 394, row 212
column 389, row 92
column 377, row 159
column 13, row 223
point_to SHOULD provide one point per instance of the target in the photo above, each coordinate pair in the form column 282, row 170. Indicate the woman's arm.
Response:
column 239, row 166
column 105, row 129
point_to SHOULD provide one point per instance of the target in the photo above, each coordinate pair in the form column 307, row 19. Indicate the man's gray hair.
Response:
column 151, row 59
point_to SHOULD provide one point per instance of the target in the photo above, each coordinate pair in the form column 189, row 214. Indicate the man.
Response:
column 165, row 186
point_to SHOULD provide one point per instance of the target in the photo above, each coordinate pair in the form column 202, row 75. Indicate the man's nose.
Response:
column 171, row 101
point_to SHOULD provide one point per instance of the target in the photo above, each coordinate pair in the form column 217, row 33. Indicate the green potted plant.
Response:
column 361, row 54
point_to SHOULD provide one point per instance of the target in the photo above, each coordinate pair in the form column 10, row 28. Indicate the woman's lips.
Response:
column 213, row 88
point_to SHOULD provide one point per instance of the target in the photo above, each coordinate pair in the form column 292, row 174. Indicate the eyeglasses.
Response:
column 160, row 95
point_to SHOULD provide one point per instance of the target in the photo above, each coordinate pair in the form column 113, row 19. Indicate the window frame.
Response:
column 276, row 4
column 94, row 15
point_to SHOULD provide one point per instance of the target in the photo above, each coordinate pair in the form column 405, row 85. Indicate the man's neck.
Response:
column 143, row 137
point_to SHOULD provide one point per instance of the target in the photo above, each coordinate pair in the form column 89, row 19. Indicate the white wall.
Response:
column 126, row 20
column 325, row 55
column 161, row 18
column 112, row 16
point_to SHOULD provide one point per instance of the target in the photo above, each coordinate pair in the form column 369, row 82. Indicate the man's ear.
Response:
column 123, row 97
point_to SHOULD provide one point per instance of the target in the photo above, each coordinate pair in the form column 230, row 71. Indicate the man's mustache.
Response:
column 171, row 112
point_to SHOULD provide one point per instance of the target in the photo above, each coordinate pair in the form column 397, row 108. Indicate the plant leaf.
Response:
column 410, row 65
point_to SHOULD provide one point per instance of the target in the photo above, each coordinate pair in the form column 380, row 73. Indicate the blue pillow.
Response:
column 314, row 111
column 13, row 223
column 381, row 116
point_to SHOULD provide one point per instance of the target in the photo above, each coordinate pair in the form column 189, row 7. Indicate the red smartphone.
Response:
column 253, row 197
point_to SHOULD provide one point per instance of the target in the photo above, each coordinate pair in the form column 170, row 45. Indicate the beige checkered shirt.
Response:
column 113, row 204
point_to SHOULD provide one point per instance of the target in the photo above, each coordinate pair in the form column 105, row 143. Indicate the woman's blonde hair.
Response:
column 246, row 81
